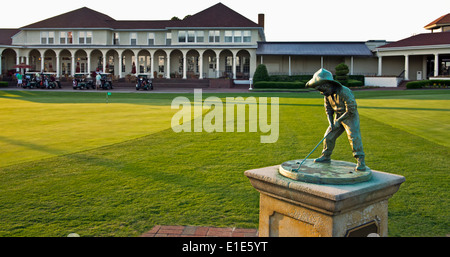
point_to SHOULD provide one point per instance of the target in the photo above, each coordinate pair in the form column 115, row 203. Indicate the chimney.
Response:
column 261, row 20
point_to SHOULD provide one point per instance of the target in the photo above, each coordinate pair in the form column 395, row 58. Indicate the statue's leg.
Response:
column 330, row 140
column 354, row 136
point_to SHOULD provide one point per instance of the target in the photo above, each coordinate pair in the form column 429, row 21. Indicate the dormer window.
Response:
column 47, row 37
column 85, row 37
column 133, row 38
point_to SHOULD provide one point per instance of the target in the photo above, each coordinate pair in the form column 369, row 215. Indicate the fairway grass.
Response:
column 33, row 130
column 144, row 174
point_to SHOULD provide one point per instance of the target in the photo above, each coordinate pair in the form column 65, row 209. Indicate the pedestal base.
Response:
column 299, row 209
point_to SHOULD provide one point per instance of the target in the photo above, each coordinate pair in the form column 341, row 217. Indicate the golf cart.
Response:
column 48, row 80
column 79, row 82
column 106, row 81
column 144, row 83
column 30, row 80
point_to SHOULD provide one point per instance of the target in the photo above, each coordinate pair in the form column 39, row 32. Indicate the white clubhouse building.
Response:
column 217, row 42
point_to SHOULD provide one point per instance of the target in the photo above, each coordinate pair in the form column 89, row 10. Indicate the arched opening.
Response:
column 65, row 63
column 192, row 64
column 144, row 62
column 81, row 62
column 8, row 60
column 112, row 63
column 243, row 65
column 209, row 64
column 176, row 64
column 35, row 60
column 226, row 64
column 49, row 61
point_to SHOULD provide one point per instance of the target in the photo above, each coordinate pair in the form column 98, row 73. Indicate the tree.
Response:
column 261, row 73
column 342, row 73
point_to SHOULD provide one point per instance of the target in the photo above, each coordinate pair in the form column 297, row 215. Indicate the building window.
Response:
column 81, row 37
column 116, row 40
column 151, row 39
column 228, row 36
column 88, row 37
column 44, row 36
column 238, row 36
column 181, row 36
column 229, row 64
column 69, row 37
column 214, row 36
column 191, row 36
column 65, row 37
column 62, row 37
column 160, row 63
column 51, row 37
column 133, row 38
column 47, row 37
column 246, row 64
column 168, row 38
column 200, row 36
column 247, row 36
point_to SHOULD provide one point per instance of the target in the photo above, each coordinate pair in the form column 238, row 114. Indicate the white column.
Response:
column 42, row 63
column 1, row 71
column 168, row 66
column 321, row 61
column 406, row 67
column 290, row 73
column 27, row 62
column 104, row 62
column 351, row 65
column 234, row 65
column 200, row 64
column 184, row 64
column 72, row 70
column 262, row 60
column 57, row 65
column 120, row 64
column 152, row 69
column 218, row 65
column 436, row 65
column 380, row 67
column 17, row 62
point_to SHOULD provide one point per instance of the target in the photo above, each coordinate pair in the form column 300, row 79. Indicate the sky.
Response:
column 285, row 20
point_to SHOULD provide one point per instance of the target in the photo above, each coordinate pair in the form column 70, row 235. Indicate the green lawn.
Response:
column 70, row 162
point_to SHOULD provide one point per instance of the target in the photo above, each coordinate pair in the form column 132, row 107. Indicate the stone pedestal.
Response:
column 292, row 208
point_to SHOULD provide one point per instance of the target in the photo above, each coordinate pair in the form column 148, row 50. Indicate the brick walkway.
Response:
column 191, row 231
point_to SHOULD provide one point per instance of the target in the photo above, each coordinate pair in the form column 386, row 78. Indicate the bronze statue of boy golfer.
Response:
column 342, row 114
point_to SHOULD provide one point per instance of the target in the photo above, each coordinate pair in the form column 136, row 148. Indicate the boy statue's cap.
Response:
column 322, row 76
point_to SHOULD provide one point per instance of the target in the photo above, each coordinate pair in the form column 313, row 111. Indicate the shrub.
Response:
column 276, row 84
column 428, row 84
column 357, row 77
column 293, row 78
column 341, row 73
column 3, row 83
column 261, row 74
column 416, row 84
column 354, row 83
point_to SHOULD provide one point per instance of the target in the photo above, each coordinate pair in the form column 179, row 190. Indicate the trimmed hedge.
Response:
column 277, row 84
column 428, row 84
column 287, row 78
column 3, row 83
column 354, row 83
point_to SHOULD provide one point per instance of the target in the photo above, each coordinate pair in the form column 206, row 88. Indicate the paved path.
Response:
column 192, row 231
